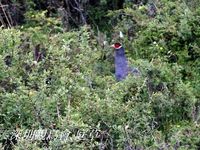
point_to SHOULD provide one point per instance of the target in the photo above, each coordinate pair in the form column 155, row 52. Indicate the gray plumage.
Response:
column 121, row 64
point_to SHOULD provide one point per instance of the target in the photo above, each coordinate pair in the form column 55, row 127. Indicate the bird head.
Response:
column 116, row 45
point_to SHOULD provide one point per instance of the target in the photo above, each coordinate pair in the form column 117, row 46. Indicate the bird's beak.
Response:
column 113, row 46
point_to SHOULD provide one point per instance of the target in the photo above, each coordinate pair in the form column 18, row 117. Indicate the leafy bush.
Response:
column 64, row 81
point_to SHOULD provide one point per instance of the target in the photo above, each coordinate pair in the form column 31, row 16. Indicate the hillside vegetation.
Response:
column 57, row 75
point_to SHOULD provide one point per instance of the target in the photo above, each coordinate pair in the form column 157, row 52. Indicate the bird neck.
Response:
column 120, row 58
column 120, row 52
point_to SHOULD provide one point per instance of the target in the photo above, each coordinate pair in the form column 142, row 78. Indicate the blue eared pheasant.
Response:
column 122, row 68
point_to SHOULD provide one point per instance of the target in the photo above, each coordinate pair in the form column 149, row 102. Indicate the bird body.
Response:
column 121, row 64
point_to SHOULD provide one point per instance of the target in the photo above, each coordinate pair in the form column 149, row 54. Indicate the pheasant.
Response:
column 122, row 68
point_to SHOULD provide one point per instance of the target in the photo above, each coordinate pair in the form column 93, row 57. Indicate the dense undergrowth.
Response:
column 71, row 87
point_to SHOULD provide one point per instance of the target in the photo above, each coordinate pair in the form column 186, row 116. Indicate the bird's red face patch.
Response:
column 117, row 45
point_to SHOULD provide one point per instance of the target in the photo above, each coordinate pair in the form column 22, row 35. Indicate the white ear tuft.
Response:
column 121, row 34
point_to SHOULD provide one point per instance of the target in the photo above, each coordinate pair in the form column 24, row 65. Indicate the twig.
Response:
column 9, row 25
column 80, row 11
column 58, row 109
column 9, row 16
column 2, row 22
column 69, row 108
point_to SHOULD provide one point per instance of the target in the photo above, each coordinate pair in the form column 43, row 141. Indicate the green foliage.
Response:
column 38, row 20
column 73, row 87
